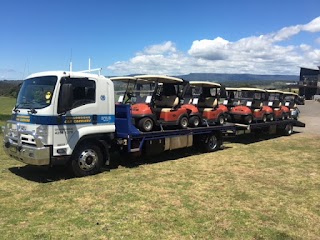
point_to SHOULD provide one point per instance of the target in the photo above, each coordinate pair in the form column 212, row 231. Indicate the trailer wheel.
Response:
column 86, row 160
column 211, row 143
column 248, row 119
column 288, row 130
column 220, row 119
column 145, row 124
column 183, row 122
column 194, row 121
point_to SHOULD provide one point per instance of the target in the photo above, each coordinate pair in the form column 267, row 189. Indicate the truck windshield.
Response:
column 36, row 92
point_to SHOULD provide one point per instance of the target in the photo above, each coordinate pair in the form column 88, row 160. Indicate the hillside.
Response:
column 224, row 77
column 11, row 87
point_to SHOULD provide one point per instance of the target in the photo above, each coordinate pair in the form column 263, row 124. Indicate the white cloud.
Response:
column 166, row 47
column 264, row 54
column 210, row 49
column 313, row 26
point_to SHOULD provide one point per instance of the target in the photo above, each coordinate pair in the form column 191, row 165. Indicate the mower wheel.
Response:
column 183, row 122
column 145, row 124
column 248, row 119
column 194, row 121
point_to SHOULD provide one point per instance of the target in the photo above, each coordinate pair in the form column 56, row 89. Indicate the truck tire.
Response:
column 194, row 121
column 183, row 122
column 145, row 124
column 86, row 160
column 211, row 143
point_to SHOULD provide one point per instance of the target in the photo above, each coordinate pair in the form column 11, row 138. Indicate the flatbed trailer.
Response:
column 131, row 140
column 280, row 126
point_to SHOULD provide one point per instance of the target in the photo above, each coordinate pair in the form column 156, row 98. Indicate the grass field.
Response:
column 262, row 190
column 250, row 190
column 6, row 105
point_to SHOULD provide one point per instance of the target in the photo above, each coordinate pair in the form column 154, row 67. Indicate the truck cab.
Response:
column 61, row 116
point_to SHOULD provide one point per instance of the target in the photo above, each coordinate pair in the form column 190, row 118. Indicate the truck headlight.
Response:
column 42, row 131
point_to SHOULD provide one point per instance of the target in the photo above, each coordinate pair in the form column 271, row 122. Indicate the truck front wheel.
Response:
column 86, row 160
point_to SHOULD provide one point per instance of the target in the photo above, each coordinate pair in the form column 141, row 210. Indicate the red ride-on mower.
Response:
column 202, row 101
column 251, row 106
column 156, row 101
column 275, row 98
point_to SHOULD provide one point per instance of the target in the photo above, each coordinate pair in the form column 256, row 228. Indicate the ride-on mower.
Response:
column 155, row 101
column 274, row 102
column 251, row 106
column 291, row 100
column 202, row 101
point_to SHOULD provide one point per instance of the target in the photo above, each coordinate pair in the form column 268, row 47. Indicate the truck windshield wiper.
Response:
column 32, row 111
column 16, row 110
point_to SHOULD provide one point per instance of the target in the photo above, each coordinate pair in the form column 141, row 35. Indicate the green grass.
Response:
column 258, row 190
column 6, row 105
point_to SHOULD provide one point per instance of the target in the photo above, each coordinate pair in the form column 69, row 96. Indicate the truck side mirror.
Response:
column 65, row 98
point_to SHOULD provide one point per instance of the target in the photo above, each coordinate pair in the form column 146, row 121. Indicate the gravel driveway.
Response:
column 310, row 115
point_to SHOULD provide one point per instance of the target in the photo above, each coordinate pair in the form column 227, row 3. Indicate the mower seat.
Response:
column 167, row 103
column 208, row 104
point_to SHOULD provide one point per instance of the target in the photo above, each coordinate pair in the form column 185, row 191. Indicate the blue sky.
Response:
column 159, row 37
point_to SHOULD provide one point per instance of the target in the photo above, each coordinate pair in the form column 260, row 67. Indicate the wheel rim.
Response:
column 196, row 122
column 212, row 142
column 184, row 122
column 249, row 119
column 289, row 129
column 148, row 125
column 87, row 160
column 221, row 120
column 271, row 117
column 264, row 119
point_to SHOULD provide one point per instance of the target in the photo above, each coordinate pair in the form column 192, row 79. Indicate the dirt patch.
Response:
column 310, row 115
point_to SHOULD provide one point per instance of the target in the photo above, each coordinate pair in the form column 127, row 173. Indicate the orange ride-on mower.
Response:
column 230, row 100
column 275, row 98
column 164, row 107
column 202, row 100
column 156, row 101
column 251, row 106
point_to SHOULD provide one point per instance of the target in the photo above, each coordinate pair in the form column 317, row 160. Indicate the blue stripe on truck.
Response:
column 58, row 120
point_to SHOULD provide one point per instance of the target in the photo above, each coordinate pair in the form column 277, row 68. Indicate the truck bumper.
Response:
column 28, row 154
column 35, row 153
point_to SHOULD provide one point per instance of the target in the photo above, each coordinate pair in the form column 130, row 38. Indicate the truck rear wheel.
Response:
column 208, row 143
column 86, row 160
